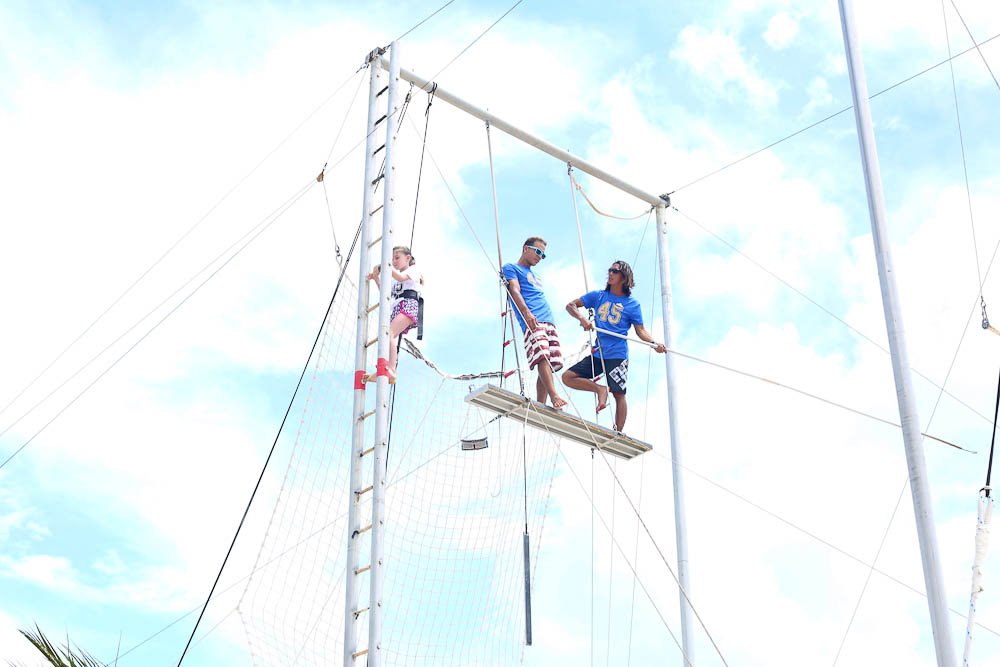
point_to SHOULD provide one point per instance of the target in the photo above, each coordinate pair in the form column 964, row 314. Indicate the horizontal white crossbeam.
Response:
column 530, row 139
column 556, row 422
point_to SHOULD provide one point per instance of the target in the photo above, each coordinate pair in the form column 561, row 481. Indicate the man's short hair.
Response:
column 532, row 240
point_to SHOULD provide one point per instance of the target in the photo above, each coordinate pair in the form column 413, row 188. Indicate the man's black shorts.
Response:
column 592, row 367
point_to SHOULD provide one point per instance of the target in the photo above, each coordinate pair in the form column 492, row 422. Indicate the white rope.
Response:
column 598, row 211
column 579, row 229
column 590, row 498
column 611, row 570
column 573, row 187
column 507, row 298
column 982, row 546
column 965, row 165
column 642, row 461
column 451, row 193
column 593, row 510
column 645, row 528
column 779, row 384
column 649, row 534
column 418, row 354
column 333, row 228
column 496, row 204
column 848, row 325
column 625, row 337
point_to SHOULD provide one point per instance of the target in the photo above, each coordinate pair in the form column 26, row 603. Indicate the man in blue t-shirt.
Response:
column 541, row 342
column 614, row 310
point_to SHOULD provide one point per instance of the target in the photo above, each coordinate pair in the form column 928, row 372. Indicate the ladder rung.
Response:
column 362, row 570
column 377, row 150
column 368, row 451
column 376, row 210
column 366, row 415
column 378, row 178
column 364, row 530
column 384, row 116
column 360, row 611
column 359, row 653
column 373, row 307
column 379, row 93
column 375, row 242
column 371, row 342
column 364, row 490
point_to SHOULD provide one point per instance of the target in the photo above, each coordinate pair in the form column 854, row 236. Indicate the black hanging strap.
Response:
column 993, row 440
column 420, row 170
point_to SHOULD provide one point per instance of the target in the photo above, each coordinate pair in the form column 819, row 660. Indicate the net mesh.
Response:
column 455, row 519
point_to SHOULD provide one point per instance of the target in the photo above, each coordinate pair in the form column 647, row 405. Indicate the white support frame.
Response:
column 908, row 415
column 676, row 453
column 660, row 203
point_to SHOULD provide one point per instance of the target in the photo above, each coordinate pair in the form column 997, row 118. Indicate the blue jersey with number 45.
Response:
column 614, row 313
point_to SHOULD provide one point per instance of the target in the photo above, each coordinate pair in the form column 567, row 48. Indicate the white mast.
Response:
column 908, row 417
column 680, row 515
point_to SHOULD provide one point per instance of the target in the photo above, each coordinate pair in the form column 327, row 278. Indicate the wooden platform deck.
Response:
column 557, row 422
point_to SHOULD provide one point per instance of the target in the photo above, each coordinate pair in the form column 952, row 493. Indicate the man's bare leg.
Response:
column 547, row 386
column 574, row 381
column 621, row 411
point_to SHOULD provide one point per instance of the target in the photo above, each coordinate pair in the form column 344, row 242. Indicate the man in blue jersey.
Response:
column 541, row 342
column 614, row 310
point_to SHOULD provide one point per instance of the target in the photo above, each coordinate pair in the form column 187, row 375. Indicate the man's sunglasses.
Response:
column 538, row 251
column 614, row 270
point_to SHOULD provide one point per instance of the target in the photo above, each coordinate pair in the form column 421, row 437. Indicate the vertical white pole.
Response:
column 908, row 417
column 382, row 384
column 360, row 363
column 676, row 455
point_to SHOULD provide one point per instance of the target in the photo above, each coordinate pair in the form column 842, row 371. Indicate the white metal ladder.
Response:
column 368, row 461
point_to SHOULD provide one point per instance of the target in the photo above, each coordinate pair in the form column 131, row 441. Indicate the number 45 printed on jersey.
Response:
column 611, row 312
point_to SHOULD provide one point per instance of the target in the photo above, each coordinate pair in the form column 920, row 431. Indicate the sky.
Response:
column 142, row 141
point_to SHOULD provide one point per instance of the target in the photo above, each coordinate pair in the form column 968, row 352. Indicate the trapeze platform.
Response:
column 541, row 416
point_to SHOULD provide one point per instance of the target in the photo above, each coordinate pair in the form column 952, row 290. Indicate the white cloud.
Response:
column 18, row 524
column 49, row 571
column 110, row 563
column 818, row 91
column 10, row 521
column 719, row 60
column 263, row 324
column 754, row 439
column 781, row 31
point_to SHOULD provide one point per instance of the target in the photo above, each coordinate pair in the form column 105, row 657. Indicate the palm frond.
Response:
column 64, row 656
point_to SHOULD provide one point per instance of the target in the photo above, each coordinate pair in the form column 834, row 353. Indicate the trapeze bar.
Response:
column 556, row 422
column 470, row 445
